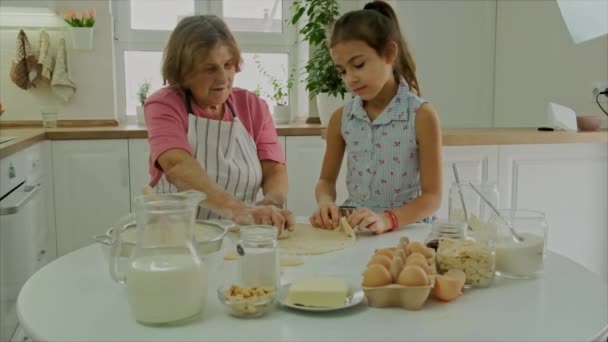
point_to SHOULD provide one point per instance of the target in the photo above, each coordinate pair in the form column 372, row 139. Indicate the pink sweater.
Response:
column 167, row 122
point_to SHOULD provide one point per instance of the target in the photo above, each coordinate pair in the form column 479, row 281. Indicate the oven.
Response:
column 24, row 231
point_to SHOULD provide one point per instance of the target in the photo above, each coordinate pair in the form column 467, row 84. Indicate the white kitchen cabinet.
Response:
column 304, row 161
column 568, row 183
column 139, row 171
column 91, row 189
column 474, row 163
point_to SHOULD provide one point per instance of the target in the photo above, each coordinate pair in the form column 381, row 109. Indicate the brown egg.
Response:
column 385, row 251
column 413, row 275
column 381, row 260
column 420, row 262
column 420, row 248
column 396, row 267
column 458, row 275
column 449, row 285
column 376, row 275
column 415, row 256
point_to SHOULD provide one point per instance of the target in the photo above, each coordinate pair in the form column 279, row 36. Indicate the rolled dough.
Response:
column 308, row 240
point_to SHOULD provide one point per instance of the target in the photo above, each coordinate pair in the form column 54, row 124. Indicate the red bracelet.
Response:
column 394, row 221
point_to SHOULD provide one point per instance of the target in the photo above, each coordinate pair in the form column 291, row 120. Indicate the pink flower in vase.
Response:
column 70, row 14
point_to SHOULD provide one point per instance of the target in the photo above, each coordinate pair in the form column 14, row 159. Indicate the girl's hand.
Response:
column 327, row 216
column 363, row 217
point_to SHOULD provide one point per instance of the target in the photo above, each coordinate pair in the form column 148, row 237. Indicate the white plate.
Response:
column 355, row 296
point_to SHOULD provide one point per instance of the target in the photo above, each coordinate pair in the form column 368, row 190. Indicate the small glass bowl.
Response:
column 247, row 307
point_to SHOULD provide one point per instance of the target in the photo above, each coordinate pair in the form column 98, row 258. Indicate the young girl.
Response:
column 392, row 137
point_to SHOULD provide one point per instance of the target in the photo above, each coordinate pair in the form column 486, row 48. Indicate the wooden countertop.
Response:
column 451, row 137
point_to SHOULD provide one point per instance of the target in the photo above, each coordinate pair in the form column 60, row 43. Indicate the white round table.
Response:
column 74, row 299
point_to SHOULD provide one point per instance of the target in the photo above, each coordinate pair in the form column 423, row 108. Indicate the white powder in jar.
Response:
column 259, row 267
column 521, row 259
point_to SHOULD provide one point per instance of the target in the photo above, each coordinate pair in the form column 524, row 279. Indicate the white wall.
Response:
column 470, row 81
column 537, row 62
column 453, row 46
column 92, row 71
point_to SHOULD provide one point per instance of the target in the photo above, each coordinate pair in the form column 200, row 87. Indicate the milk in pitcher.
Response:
column 166, row 288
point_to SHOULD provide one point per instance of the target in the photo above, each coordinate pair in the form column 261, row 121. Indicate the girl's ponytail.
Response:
column 404, row 66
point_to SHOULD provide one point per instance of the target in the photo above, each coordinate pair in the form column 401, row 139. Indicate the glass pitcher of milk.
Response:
column 165, row 277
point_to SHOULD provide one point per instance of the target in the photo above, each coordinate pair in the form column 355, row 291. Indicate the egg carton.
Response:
column 395, row 295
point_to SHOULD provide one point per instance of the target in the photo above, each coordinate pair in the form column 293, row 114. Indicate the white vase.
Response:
column 140, row 115
column 327, row 105
column 281, row 114
column 82, row 38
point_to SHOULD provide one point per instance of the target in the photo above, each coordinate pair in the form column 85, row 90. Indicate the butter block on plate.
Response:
column 324, row 292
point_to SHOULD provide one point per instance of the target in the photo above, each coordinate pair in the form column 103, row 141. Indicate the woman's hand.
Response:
column 363, row 217
column 270, row 215
column 327, row 216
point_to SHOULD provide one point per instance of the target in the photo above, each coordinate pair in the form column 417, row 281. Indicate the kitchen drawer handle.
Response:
column 30, row 191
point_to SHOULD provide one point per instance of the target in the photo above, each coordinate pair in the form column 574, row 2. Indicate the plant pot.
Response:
column 281, row 114
column 327, row 105
column 82, row 38
column 140, row 115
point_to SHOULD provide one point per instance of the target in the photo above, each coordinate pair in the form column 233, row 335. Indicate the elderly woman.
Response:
column 206, row 135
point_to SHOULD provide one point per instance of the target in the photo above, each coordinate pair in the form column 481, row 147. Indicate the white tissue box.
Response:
column 561, row 117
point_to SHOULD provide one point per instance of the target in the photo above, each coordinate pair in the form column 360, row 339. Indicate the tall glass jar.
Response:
column 458, row 247
column 444, row 230
column 479, row 213
column 258, row 256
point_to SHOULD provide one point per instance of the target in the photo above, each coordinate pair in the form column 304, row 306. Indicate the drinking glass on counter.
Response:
column 520, row 259
column 49, row 116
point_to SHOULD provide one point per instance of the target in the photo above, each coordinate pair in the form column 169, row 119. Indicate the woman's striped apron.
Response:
column 228, row 154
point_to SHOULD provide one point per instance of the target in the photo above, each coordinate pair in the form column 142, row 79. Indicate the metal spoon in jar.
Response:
column 516, row 236
column 464, row 207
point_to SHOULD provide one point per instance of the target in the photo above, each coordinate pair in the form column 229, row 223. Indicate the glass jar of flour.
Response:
column 258, row 256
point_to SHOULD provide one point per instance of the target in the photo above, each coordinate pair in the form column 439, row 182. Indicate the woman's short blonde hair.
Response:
column 189, row 44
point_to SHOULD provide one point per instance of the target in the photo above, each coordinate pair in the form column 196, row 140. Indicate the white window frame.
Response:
column 127, row 39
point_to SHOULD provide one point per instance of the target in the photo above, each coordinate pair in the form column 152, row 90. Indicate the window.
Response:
column 253, row 16
column 158, row 14
column 250, row 77
column 141, row 66
column 143, row 27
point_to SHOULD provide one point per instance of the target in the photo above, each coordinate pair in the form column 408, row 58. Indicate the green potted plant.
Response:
column 142, row 95
column 322, row 78
column 81, row 27
column 279, row 93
